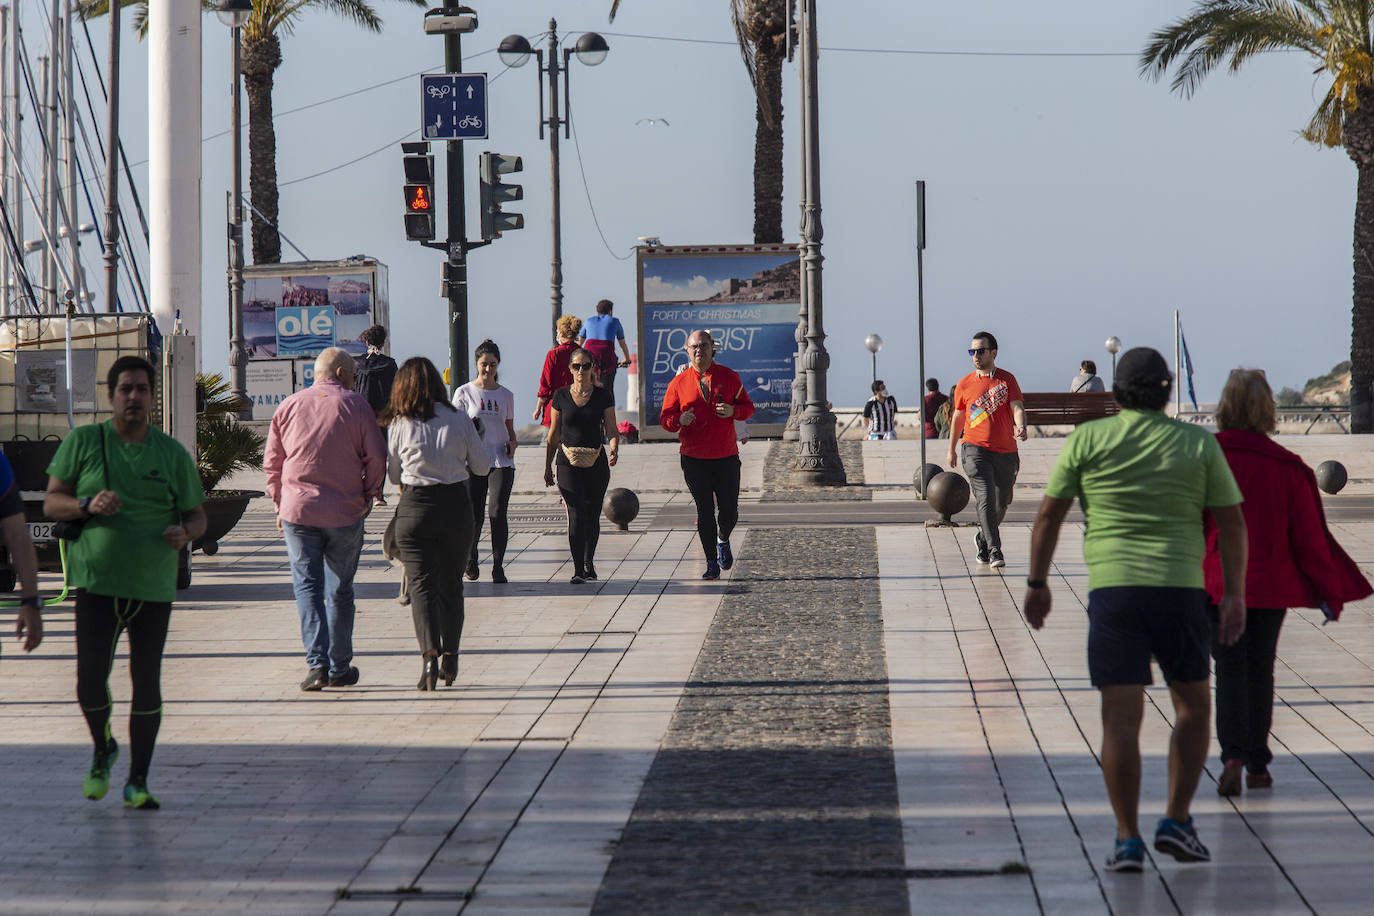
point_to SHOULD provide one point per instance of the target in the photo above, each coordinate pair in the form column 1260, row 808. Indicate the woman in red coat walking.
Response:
column 1294, row 562
column 556, row 373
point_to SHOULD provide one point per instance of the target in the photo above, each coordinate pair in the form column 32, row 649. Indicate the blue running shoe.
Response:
column 97, row 781
column 1180, row 841
column 724, row 554
column 712, row 571
column 1129, row 855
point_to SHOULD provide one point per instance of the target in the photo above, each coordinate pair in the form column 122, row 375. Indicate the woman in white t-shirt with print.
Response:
column 487, row 401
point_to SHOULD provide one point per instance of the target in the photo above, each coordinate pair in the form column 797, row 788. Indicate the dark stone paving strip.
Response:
column 774, row 789
column 780, row 486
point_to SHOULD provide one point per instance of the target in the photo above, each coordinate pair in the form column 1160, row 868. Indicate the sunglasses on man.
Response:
column 977, row 350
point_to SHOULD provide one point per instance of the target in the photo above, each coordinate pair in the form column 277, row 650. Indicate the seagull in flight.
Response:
column 652, row 121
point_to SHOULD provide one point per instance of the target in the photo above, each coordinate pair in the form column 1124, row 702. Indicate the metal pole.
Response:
column 69, row 212
column 921, row 321
column 555, row 193
column 792, row 431
column 818, row 460
column 875, row 367
column 1178, row 366
column 15, row 191
column 47, row 283
column 238, row 359
column 457, row 231
column 6, row 39
column 112, row 170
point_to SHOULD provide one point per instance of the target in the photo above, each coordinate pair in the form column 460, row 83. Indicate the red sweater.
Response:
column 1294, row 560
column 555, row 375
column 707, row 436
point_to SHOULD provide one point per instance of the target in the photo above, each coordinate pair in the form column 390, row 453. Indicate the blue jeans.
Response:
column 323, row 561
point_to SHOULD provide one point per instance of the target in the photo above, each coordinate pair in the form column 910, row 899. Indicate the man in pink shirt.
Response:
column 325, row 463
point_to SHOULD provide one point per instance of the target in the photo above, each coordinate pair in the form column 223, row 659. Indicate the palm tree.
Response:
column 1337, row 34
column 761, row 27
column 261, row 57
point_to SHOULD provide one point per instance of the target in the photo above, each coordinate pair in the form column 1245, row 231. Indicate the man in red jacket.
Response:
column 701, row 406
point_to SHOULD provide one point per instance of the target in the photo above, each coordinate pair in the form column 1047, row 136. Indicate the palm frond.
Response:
column 614, row 6
column 1327, row 126
column 1236, row 29
column 223, row 445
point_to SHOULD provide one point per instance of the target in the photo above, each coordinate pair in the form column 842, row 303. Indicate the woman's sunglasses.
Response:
column 578, row 367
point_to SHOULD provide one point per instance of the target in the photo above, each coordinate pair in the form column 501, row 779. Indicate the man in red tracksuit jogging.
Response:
column 701, row 406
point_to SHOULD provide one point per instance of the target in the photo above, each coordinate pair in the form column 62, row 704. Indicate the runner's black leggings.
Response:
column 499, row 483
column 713, row 482
column 99, row 621
column 583, row 490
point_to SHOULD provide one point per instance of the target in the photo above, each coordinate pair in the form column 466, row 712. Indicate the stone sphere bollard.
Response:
column 621, row 506
column 923, row 477
column 1331, row 476
column 948, row 494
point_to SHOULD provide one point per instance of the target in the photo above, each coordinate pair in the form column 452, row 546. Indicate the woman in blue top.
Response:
column 600, row 334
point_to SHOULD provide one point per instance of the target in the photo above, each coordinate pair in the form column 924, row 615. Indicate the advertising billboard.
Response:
column 747, row 296
column 297, row 310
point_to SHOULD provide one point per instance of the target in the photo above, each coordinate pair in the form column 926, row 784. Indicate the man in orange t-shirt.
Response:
column 701, row 405
column 986, row 411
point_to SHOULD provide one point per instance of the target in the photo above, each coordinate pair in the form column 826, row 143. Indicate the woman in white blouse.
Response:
column 432, row 448
column 487, row 400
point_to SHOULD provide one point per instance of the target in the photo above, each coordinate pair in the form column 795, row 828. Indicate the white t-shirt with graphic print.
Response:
column 493, row 406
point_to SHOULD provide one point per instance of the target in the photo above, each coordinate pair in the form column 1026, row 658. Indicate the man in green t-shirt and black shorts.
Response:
column 137, row 490
column 1144, row 481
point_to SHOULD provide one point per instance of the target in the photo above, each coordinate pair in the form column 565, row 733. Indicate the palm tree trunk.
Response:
column 1358, row 135
column 768, row 148
column 261, row 57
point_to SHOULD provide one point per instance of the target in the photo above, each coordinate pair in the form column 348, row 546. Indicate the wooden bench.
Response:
column 1061, row 408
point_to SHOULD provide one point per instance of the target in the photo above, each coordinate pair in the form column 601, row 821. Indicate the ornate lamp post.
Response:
column 818, row 458
column 235, row 14
column 874, row 342
column 1113, row 346
column 591, row 50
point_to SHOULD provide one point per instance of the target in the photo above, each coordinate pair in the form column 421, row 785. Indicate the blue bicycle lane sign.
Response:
column 453, row 106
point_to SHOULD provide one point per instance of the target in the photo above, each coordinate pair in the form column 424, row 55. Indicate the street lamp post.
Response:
column 874, row 342
column 818, row 459
column 1113, row 346
column 235, row 14
column 591, row 50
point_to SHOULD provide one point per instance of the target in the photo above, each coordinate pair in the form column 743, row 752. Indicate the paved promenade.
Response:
column 854, row 719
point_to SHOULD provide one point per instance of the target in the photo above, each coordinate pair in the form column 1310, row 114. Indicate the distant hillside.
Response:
column 1331, row 388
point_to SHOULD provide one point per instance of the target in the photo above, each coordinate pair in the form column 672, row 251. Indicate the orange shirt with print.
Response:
column 985, row 402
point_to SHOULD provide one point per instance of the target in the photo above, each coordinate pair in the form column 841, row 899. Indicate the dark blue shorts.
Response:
column 1128, row 624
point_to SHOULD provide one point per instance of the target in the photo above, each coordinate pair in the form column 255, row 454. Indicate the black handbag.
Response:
column 71, row 530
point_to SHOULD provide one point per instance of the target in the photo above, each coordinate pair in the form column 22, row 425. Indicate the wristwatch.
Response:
column 1035, row 583
column 31, row 601
column 84, row 504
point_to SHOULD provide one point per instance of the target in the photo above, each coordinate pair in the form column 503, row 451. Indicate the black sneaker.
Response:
column 316, row 679
column 712, row 571
column 498, row 574
column 724, row 555
column 578, row 579
column 590, row 574
column 982, row 548
column 1180, row 841
column 472, row 572
column 995, row 558
column 347, row 679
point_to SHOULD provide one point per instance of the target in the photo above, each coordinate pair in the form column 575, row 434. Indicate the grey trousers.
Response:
column 991, row 476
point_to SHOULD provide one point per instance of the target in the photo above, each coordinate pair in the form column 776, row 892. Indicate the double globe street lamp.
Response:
column 235, row 14
column 591, row 50
column 874, row 342
column 1113, row 346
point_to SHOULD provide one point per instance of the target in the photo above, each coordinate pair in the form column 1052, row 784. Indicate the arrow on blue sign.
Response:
column 453, row 106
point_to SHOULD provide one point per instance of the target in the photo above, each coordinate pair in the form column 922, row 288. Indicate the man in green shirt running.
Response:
column 1144, row 481
column 138, row 493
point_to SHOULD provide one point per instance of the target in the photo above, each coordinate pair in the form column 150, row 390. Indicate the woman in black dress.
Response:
column 581, row 419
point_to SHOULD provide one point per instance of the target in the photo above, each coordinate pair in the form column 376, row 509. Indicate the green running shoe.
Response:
column 136, row 795
column 98, row 778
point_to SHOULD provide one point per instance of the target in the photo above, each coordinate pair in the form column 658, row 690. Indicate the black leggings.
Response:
column 713, row 482
column 499, row 483
column 583, row 490
column 99, row 621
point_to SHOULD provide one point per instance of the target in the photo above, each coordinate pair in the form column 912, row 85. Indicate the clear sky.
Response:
column 1068, row 198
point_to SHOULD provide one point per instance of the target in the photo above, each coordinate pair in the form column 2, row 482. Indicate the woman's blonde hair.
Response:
column 568, row 327
column 1247, row 402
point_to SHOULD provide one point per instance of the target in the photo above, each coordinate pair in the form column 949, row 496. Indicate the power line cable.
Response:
column 919, row 52
column 590, row 206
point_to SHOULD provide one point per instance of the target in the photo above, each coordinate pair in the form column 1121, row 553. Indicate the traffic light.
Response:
column 494, row 194
column 419, row 191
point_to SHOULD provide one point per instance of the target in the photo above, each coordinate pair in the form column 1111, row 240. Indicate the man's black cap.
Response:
column 1140, row 366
